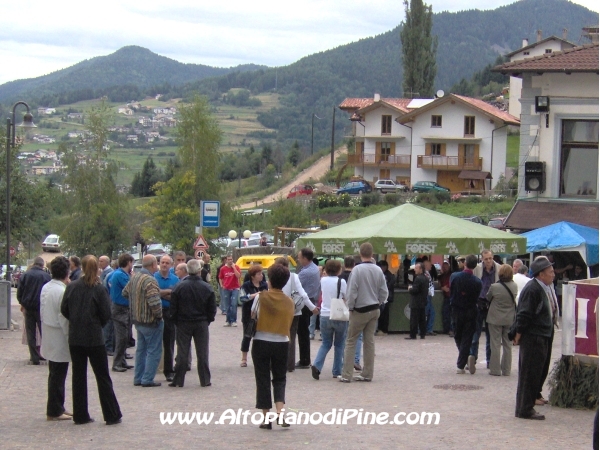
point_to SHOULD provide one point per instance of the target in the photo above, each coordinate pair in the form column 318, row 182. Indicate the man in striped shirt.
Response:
column 146, row 314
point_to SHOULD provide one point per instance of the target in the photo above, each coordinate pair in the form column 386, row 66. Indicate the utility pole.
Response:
column 332, row 139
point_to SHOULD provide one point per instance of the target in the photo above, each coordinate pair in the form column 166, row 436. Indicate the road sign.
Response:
column 13, row 251
column 200, row 243
column 199, row 254
column 210, row 214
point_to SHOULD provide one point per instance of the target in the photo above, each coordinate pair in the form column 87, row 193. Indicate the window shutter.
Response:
column 392, row 148
column 443, row 150
column 428, row 149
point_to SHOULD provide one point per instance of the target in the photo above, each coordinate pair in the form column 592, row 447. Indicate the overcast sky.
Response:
column 38, row 37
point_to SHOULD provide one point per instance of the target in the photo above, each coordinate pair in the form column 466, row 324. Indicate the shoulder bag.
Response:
column 296, row 297
column 512, row 332
column 250, row 329
column 338, row 308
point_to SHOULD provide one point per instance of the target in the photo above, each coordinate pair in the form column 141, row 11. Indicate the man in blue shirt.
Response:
column 108, row 330
column 120, row 311
column 166, row 281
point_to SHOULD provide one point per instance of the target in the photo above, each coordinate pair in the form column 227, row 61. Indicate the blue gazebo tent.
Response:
column 565, row 237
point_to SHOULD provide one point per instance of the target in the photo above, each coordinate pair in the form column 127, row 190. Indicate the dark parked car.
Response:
column 355, row 187
column 497, row 222
column 474, row 219
column 428, row 186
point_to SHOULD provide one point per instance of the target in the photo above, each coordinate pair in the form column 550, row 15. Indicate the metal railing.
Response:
column 392, row 160
column 448, row 162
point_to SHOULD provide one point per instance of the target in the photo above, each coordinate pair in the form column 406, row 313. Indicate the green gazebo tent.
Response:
column 410, row 229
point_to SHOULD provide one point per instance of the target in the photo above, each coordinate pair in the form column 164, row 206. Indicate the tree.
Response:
column 174, row 211
column 143, row 182
column 29, row 202
column 294, row 154
column 96, row 211
column 199, row 137
column 419, row 49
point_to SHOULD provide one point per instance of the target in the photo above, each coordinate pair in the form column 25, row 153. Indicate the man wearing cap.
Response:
column 536, row 315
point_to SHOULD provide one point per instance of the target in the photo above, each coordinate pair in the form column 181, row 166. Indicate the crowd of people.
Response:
column 85, row 310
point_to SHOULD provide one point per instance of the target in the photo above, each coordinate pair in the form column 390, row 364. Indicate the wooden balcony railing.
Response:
column 400, row 161
column 448, row 162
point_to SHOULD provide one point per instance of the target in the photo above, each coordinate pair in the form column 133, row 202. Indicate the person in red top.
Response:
column 229, row 279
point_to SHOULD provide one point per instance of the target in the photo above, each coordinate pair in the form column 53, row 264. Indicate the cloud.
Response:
column 234, row 32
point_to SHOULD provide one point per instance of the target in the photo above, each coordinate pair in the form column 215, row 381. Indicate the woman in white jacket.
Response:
column 55, row 342
column 296, row 292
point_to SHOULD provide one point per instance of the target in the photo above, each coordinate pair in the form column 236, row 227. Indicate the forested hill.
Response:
column 468, row 41
column 130, row 68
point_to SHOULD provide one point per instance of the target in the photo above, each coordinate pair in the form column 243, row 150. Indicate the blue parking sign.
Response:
column 210, row 213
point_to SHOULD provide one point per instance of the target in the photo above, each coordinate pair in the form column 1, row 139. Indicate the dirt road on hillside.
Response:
column 316, row 171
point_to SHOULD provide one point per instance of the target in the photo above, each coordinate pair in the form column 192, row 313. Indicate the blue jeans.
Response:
column 222, row 305
column 230, row 297
column 148, row 352
column 430, row 313
column 481, row 318
column 312, row 326
column 358, row 349
column 333, row 333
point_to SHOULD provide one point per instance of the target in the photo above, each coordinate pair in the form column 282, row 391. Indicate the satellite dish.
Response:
column 439, row 94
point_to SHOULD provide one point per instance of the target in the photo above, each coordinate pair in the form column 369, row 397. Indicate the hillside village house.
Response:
column 540, row 47
column 559, row 128
column 457, row 141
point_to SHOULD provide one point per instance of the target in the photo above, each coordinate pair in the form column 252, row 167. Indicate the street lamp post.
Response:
column 233, row 234
column 10, row 144
column 312, row 133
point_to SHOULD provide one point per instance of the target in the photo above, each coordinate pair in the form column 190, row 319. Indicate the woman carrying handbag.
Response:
column 274, row 312
column 500, row 317
column 333, row 331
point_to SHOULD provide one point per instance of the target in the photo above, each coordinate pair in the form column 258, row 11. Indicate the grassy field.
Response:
column 512, row 150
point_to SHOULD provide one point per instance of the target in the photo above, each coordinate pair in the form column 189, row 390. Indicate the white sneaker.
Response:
column 234, row 324
column 361, row 378
column 460, row 371
column 227, row 324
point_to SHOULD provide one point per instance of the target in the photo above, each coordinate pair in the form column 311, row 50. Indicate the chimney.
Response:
column 539, row 35
column 376, row 97
column 565, row 32
column 525, row 42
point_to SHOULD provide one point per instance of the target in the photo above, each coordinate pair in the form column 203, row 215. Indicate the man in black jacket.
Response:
column 192, row 309
column 28, row 296
column 418, row 301
column 464, row 292
column 534, row 322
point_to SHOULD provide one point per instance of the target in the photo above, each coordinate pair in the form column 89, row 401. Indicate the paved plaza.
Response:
column 409, row 377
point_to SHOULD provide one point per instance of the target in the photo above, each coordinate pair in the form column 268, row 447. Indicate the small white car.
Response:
column 385, row 186
column 51, row 243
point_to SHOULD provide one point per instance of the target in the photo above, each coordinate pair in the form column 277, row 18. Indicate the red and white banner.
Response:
column 580, row 318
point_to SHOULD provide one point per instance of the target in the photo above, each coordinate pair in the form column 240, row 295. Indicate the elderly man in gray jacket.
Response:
column 367, row 291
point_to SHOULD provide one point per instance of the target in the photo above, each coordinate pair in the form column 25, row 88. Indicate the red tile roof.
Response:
column 489, row 109
column 576, row 59
column 486, row 108
column 353, row 104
